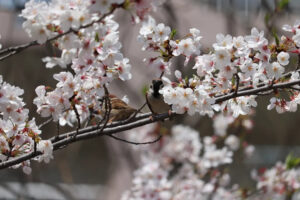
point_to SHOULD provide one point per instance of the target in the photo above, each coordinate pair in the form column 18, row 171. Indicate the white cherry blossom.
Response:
column 283, row 58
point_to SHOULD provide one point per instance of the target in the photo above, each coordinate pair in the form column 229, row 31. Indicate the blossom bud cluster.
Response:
column 171, row 168
column 18, row 134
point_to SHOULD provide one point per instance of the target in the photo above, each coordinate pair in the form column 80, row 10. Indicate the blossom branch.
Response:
column 256, row 91
column 96, row 127
column 10, row 51
column 62, row 141
column 284, row 76
column 109, row 129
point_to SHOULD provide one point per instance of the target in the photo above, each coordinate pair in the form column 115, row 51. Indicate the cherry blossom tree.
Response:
column 181, row 164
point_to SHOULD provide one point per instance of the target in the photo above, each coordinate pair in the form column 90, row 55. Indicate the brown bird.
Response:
column 119, row 109
column 155, row 100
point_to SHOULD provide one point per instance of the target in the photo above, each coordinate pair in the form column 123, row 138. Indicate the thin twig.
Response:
column 136, row 112
column 34, row 145
column 9, row 152
column 77, row 117
column 293, row 88
column 89, row 119
column 237, row 85
column 105, row 113
column 108, row 108
column 162, row 74
column 135, row 143
column 45, row 123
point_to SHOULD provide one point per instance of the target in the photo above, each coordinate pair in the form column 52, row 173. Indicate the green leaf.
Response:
column 97, row 37
column 292, row 161
column 233, row 80
column 145, row 89
column 274, row 33
column 267, row 18
column 126, row 4
column 186, row 79
column 173, row 33
column 283, row 3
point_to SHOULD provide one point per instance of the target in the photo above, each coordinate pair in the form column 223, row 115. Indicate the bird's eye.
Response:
column 151, row 86
column 161, row 86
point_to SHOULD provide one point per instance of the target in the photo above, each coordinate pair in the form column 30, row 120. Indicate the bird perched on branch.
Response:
column 122, row 111
column 155, row 100
column 119, row 109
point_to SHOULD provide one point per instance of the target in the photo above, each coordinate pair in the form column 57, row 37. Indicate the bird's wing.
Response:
column 118, row 104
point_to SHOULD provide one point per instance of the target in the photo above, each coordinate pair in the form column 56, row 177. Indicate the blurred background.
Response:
column 102, row 168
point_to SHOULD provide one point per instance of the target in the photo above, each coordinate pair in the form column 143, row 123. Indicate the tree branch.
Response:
column 256, row 91
column 63, row 140
column 87, row 134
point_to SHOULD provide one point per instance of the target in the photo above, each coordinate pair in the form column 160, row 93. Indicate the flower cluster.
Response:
column 182, row 165
column 171, row 168
column 143, row 7
column 159, row 38
column 46, row 20
column 278, row 182
column 295, row 30
column 89, row 45
column 94, row 56
column 221, row 124
column 18, row 134
column 234, row 62
column 187, row 96
column 176, row 167
column 151, row 182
